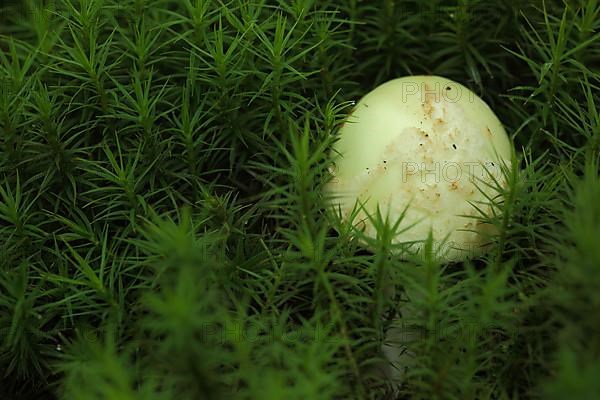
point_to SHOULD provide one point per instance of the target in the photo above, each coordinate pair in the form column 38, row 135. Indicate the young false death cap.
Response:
column 426, row 147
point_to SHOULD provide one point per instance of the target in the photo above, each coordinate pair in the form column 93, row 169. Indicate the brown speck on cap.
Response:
column 390, row 148
column 428, row 109
column 430, row 97
column 422, row 132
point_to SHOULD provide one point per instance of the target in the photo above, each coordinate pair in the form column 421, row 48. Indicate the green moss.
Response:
column 162, row 224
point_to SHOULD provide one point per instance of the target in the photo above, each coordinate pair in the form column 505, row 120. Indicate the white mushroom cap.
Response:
column 424, row 142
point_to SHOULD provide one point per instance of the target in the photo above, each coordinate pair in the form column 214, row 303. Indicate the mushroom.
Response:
column 428, row 145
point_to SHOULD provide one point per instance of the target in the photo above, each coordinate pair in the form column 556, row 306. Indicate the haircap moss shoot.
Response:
column 427, row 145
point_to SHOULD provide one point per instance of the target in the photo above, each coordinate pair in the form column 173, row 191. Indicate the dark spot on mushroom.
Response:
column 384, row 161
column 427, row 135
column 448, row 88
column 453, row 145
column 420, row 144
